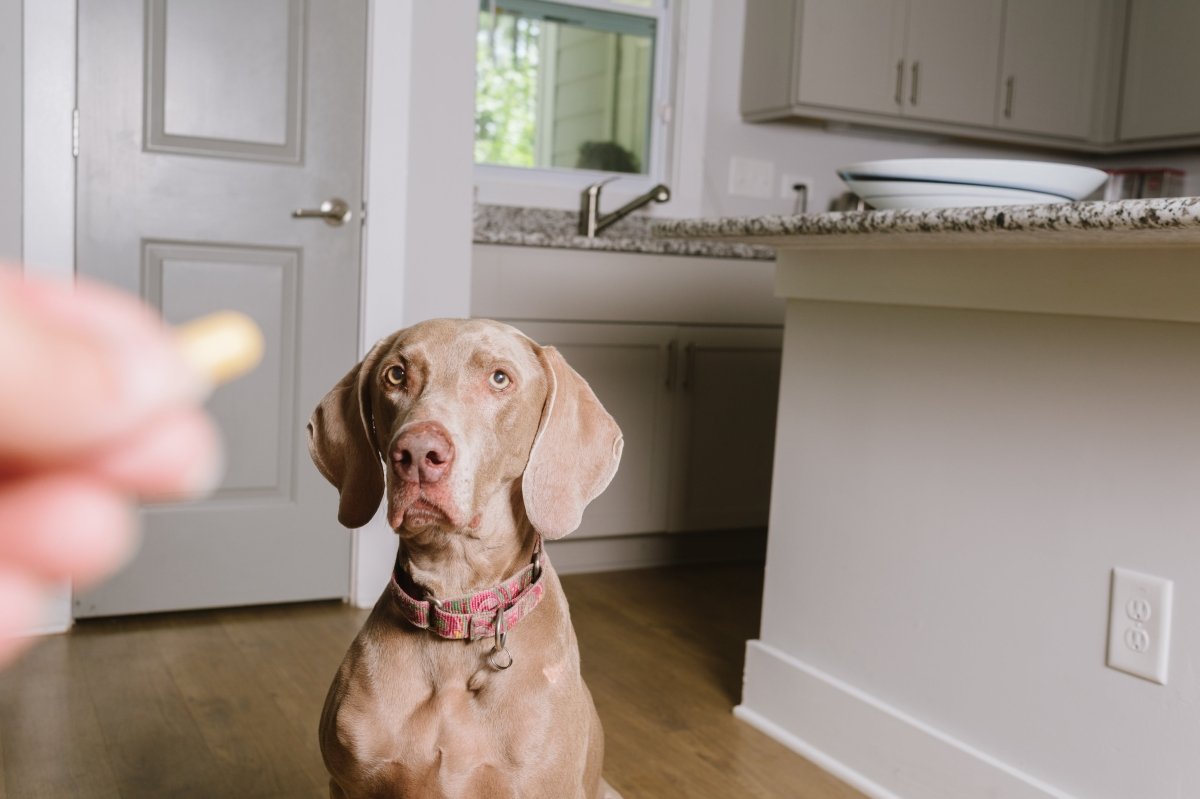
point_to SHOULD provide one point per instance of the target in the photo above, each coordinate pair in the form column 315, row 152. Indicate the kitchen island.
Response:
column 982, row 412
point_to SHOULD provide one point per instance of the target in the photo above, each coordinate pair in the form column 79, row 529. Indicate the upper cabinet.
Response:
column 1048, row 75
column 1161, row 96
column 865, row 79
column 900, row 64
column 1039, row 72
column 952, row 76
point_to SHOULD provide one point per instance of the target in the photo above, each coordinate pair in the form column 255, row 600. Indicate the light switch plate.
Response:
column 1139, row 624
column 751, row 177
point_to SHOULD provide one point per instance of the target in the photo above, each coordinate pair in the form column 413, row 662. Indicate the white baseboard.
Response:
column 642, row 551
column 873, row 747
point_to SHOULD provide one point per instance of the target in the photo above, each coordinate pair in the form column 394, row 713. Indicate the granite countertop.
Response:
column 1127, row 222
column 544, row 227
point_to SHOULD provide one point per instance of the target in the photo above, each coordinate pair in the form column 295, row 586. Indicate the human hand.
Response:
column 98, row 407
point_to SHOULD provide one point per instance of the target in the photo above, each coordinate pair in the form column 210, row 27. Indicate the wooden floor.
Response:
column 225, row 703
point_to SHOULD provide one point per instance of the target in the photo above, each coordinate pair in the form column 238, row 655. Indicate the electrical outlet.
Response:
column 1139, row 624
column 751, row 177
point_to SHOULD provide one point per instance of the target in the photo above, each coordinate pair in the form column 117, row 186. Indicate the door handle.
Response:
column 334, row 211
column 916, row 74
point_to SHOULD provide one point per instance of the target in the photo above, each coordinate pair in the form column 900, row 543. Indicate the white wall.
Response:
column 417, row 247
column 960, row 484
column 10, row 130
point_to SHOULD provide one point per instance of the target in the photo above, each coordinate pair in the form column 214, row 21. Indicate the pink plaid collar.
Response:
column 486, row 614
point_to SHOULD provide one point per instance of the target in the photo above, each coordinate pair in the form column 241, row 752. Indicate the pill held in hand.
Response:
column 222, row 345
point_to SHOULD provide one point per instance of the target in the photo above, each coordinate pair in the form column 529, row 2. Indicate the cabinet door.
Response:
column 627, row 368
column 725, row 429
column 851, row 53
column 1048, row 67
column 953, row 49
column 1160, row 95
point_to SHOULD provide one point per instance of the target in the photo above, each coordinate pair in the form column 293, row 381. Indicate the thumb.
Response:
column 80, row 366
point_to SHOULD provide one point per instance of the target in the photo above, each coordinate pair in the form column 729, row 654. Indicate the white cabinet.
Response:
column 1048, row 73
column 724, row 427
column 926, row 59
column 697, row 408
column 850, row 54
column 1042, row 72
column 1160, row 98
column 952, row 49
column 628, row 367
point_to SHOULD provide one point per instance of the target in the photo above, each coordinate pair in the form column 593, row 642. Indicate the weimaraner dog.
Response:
column 464, row 681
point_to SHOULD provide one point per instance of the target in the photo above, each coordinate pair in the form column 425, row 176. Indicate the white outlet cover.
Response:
column 1139, row 624
column 751, row 177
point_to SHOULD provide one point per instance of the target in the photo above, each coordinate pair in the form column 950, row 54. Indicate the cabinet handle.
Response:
column 916, row 74
column 689, row 363
column 1008, row 96
column 900, row 82
column 672, row 357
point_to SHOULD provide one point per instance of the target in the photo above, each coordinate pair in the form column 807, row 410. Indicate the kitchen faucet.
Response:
column 592, row 222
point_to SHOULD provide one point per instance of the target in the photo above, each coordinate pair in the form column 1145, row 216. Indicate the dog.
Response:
column 464, row 681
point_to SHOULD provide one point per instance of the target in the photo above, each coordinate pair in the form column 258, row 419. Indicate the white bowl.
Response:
column 947, row 182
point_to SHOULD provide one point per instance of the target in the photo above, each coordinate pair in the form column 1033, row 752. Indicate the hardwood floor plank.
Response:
column 154, row 746
column 257, row 749
column 225, row 703
column 52, row 740
column 662, row 651
column 295, row 663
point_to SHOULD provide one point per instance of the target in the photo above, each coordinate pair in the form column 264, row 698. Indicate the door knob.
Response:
column 334, row 211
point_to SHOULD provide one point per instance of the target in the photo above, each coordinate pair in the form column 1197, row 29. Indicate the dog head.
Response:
column 445, row 415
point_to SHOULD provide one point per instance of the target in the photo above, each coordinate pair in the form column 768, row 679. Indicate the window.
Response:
column 568, row 85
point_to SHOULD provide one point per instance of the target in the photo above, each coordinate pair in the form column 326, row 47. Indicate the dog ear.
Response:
column 342, row 445
column 575, row 452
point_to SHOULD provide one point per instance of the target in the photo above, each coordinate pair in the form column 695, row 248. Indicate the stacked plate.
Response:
column 960, row 182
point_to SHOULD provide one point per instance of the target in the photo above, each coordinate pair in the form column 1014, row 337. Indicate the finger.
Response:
column 21, row 605
column 176, row 456
column 81, row 367
column 64, row 526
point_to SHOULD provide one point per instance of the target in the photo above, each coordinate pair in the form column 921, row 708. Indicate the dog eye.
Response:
column 395, row 375
column 500, row 380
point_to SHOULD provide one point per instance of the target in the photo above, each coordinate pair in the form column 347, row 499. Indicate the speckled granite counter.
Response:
column 1085, row 224
column 543, row 227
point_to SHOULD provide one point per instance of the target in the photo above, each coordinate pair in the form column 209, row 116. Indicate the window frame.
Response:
column 553, row 186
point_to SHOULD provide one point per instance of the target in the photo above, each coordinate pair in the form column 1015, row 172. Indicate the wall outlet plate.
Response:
column 751, row 177
column 1139, row 624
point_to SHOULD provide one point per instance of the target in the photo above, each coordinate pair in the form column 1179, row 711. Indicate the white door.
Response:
column 203, row 125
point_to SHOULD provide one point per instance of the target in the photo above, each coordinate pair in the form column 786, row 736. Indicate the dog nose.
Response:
column 423, row 453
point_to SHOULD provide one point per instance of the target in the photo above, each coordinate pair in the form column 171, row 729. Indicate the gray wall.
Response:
column 10, row 130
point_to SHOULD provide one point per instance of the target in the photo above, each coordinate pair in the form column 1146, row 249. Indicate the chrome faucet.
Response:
column 592, row 222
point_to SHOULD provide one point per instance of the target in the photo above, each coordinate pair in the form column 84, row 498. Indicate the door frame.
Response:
column 437, row 229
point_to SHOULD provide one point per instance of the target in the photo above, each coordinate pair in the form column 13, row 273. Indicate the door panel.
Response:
column 863, row 77
column 953, row 53
column 626, row 366
column 203, row 124
column 722, row 478
column 224, row 77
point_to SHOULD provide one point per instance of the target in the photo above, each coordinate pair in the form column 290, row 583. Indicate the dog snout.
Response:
column 423, row 453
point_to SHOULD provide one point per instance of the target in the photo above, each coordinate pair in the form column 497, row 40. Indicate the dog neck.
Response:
column 448, row 563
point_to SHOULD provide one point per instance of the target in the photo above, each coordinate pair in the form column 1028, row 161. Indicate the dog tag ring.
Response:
column 500, row 658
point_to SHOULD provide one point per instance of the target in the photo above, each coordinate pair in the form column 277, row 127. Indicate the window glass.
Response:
column 563, row 86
